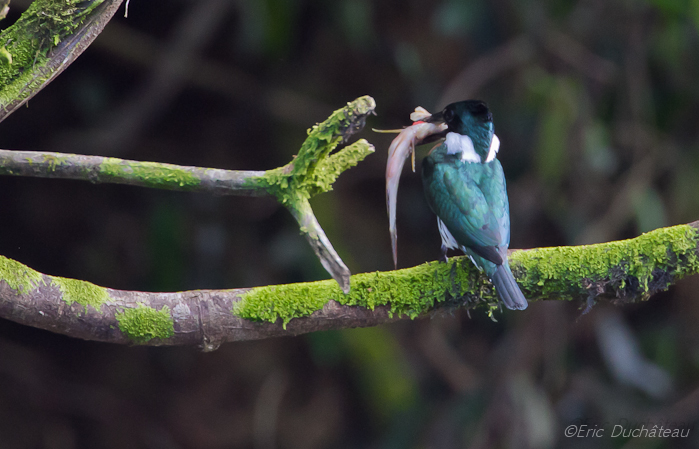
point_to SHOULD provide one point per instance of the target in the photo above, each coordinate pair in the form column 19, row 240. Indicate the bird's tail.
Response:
column 507, row 288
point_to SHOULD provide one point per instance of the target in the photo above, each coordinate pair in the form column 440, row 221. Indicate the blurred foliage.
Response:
column 596, row 106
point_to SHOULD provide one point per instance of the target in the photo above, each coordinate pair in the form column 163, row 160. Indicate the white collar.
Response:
column 494, row 148
column 459, row 143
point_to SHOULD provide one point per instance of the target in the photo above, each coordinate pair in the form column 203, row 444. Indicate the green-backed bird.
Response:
column 465, row 187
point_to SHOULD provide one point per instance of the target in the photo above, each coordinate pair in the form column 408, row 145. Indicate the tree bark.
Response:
column 621, row 272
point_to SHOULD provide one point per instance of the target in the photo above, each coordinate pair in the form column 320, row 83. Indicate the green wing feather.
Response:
column 454, row 193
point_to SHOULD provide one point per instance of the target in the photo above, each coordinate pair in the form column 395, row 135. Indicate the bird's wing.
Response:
column 492, row 184
column 459, row 201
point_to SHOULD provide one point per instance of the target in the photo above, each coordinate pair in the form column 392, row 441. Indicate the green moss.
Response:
column 150, row 173
column 312, row 171
column 22, row 85
column 565, row 270
column 28, row 42
column 5, row 56
column 143, row 324
column 18, row 277
column 545, row 272
column 411, row 292
column 330, row 168
column 23, row 279
column 277, row 183
column 82, row 292
column 51, row 161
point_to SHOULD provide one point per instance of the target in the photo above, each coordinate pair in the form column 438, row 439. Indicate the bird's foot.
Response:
column 443, row 257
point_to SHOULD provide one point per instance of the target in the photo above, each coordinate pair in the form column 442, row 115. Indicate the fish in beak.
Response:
column 426, row 128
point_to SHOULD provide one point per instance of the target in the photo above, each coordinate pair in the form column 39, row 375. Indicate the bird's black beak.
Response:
column 434, row 118
column 437, row 117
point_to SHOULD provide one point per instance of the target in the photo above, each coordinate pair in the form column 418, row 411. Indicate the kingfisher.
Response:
column 465, row 187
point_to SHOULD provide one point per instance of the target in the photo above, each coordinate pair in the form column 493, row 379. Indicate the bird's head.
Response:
column 470, row 118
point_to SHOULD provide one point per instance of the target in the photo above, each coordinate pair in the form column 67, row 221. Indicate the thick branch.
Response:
column 623, row 271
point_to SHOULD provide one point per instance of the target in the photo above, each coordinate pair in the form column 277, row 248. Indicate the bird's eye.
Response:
column 448, row 115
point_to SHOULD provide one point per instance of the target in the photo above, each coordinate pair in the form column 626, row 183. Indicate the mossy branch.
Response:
column 623, row 271
column 311, row 172
column 47, row 38
column 51, row 34
column 314, row 170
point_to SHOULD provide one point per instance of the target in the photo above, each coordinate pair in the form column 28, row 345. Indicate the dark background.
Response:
column 596, row 105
